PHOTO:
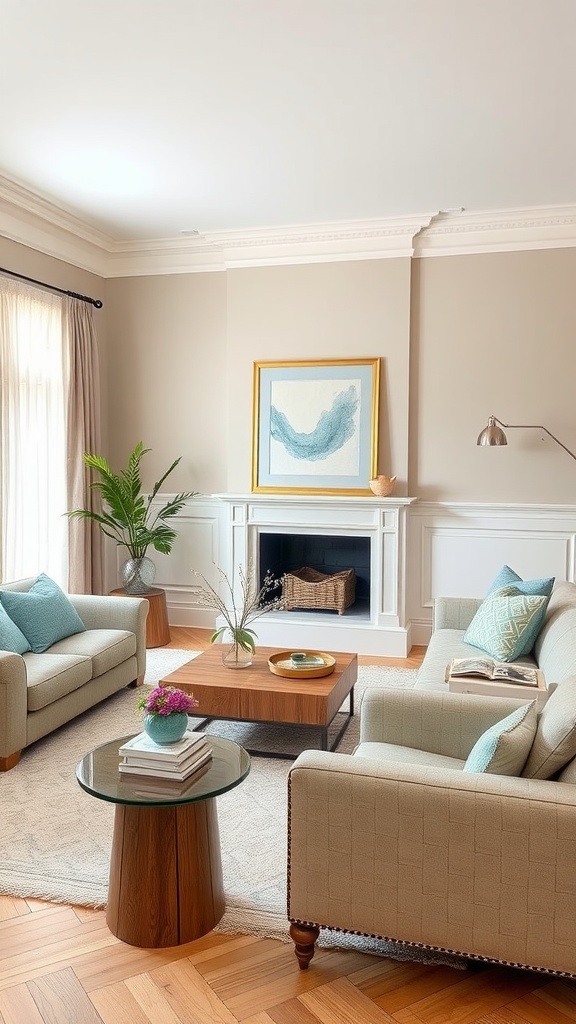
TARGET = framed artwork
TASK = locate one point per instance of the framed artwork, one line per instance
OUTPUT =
(315, 426)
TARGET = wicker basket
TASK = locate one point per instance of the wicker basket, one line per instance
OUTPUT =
(308, 588)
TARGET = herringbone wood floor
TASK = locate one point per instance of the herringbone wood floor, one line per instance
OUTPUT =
(61, 965)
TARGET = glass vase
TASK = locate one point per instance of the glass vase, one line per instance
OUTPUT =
(166, 728)
(137, 575)
(233, 655)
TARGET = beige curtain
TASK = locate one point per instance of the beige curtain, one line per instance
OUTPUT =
(85, 558)
(33, 523)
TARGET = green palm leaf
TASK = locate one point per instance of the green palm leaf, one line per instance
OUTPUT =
(126, 516)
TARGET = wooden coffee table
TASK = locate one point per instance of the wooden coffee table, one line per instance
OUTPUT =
(255, 694)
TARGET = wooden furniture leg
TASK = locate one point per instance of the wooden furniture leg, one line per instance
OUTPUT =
(6, 763)
(304, 939)
(165, 874)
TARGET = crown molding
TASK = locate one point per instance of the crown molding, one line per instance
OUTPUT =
(489, 231)
(195, 255)
(268, 247)
(37, 222)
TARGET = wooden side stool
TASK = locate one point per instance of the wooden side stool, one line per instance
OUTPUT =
(157, 628)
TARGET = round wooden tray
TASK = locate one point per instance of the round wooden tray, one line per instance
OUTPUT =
(281, 665)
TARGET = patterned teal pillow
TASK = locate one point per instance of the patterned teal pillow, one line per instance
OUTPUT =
(504, 748)
(44, 613)
(506, 577)
(11, 638)
(504, 623)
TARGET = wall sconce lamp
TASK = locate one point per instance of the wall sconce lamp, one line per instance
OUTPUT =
(494, 435)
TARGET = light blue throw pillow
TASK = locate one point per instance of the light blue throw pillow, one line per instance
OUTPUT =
(11, 638)
(506, 577)
(44, 613)
(503, 621)
(504, 748)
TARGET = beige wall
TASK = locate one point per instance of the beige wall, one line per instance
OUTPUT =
(459, 337)
(168, 377)
(182, 350)
(320, 311)
(493, 334)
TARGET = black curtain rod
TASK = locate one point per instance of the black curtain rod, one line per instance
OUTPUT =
(97, 303)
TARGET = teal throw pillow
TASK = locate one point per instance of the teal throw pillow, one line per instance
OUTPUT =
(504, 748)
(506, 577)
(44, 613)
(503, 622)
(11, 638)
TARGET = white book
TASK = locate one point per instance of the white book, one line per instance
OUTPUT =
(169, 765)
(141, 761)
(498, 688)
(162, 751)
(153, 786)
(163, 773)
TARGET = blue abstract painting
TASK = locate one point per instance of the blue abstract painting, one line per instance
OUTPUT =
(315, 425)
(334, 428)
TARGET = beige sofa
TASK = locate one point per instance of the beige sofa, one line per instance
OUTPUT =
(554, 652)
(397, 842)
(40, 692)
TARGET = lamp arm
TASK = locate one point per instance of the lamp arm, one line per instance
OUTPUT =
(533, 426)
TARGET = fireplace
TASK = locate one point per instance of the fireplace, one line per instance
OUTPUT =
(329, 554)
(286, 532)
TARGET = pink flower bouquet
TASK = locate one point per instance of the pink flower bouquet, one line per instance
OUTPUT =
(166, 700)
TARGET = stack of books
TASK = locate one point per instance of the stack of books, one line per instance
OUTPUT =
(497, 678)
(175, 761)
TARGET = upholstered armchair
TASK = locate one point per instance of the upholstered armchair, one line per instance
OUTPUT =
(398, 842)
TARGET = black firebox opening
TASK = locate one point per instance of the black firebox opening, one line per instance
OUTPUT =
(288, 552)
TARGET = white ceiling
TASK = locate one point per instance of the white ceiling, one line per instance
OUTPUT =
(149, 118)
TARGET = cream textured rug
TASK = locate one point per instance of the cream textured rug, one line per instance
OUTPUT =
(55, 839)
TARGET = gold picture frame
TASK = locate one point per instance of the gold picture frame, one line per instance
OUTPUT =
(315, 426)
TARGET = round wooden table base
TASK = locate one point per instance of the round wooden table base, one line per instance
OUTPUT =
(165, 874)
(157, 628)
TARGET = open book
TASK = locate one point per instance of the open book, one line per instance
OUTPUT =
(491, 669)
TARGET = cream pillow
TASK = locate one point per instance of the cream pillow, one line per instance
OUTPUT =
(504, 747)
(555, 741)
(568, 774)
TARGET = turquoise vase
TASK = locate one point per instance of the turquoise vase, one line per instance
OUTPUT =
(166, 728)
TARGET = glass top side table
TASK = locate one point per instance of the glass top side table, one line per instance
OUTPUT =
(165, 882)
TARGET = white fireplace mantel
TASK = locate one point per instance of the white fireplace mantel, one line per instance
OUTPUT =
(380, 630)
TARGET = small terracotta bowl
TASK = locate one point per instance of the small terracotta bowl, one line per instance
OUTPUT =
(382, 486)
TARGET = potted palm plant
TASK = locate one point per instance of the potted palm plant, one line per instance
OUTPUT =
(128, 516)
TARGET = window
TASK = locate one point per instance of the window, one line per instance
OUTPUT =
(33, 406)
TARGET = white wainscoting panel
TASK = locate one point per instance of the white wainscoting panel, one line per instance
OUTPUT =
(457, 549)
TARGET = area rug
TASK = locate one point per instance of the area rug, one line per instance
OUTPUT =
(55, 839)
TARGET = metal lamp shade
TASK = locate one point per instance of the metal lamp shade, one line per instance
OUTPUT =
(492, 434)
